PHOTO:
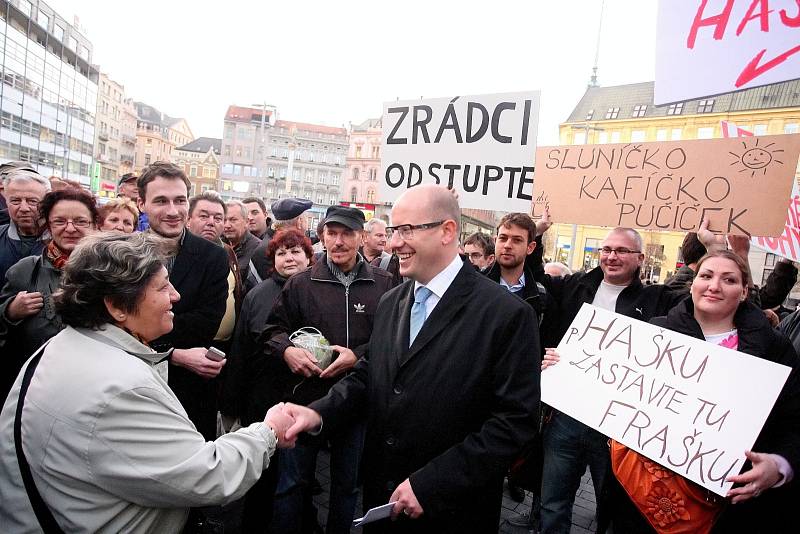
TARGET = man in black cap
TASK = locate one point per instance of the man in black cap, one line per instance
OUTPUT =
(338, 296)
(288, 213)
(127, 188)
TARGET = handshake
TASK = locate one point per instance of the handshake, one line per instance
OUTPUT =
(288, 420)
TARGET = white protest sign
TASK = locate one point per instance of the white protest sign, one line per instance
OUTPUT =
(483, 146)
(787, 244)
(708, 47)
(692, 406)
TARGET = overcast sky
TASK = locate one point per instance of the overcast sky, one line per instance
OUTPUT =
(335, 62)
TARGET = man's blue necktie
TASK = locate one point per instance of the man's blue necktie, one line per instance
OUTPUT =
(418, 312)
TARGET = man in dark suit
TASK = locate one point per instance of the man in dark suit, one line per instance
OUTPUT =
(199, 271)
(449, 386)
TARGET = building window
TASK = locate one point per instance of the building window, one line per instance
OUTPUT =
(296, 175)
(615, 137)
(353, 195)
(283, 172)
(661, 135)
(639, 111)
(335, 179)
(589, 115)
(760, 129)
(58, 31)
(285, 153)
(43, 19)
(705, 106)
(769, 260)
(376, 152)
(638, 136)
(612, 113)
(358, 151)
(790, 128)
(355, 173)
(675, 135)
(227, 150)
(193, 171)
(765, 275)
(147, 159)
(72, 43)
(373, 174)
(603, 138)
(322, 177)
(309, 176)
(675, 109)
(332, 200)
(579, 138)
(705, 133)
(320, 198)
(371, 196)
(25, 7)
(271, 171)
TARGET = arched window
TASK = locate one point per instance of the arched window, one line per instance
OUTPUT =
(353, 194)
(371, 196)
(355, 173)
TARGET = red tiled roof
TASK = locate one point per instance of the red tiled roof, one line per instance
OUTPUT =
(318, 128)
(243, 114)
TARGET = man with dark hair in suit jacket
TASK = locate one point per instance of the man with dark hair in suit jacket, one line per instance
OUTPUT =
(449, 386)
(199, 271)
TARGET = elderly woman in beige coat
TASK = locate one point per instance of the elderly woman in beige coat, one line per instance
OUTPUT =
(108, 446)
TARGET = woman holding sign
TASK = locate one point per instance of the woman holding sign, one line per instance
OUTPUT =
(646, 497)
(719, 313)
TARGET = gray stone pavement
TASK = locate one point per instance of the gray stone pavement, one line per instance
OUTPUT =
(583, 514)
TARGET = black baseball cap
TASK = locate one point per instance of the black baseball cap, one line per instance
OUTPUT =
(352, 218)
(125, 178)
(287, 209)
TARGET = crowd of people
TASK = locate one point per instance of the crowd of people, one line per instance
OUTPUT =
(159, 348)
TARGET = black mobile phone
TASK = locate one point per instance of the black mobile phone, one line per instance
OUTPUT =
(215, 354)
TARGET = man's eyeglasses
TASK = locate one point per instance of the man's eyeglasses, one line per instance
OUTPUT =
(406, 231)
(622, 251)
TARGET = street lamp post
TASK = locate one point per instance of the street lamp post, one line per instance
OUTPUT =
(264, 106)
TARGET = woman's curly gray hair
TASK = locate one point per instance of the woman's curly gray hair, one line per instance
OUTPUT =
(107, 265)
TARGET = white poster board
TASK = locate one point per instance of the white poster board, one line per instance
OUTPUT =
(692, 406)
(708, 47)
(483, 146)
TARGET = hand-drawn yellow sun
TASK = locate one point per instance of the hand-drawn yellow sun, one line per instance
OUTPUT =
(755, 158)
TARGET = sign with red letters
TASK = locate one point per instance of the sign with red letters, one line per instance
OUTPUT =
(708, 47)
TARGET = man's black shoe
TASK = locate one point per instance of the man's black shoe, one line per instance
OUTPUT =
(516, 493)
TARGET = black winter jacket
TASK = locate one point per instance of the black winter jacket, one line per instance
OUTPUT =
(316, 298)
(769, 512)
(570, 292)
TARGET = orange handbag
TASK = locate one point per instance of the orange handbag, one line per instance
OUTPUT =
(670, 503)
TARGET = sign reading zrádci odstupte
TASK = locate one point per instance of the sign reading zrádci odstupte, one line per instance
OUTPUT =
(483, 146)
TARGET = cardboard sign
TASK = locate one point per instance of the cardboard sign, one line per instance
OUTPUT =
(708, 47)
(692, 406)
(483, 146)
(735, 183)
(787, 244)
